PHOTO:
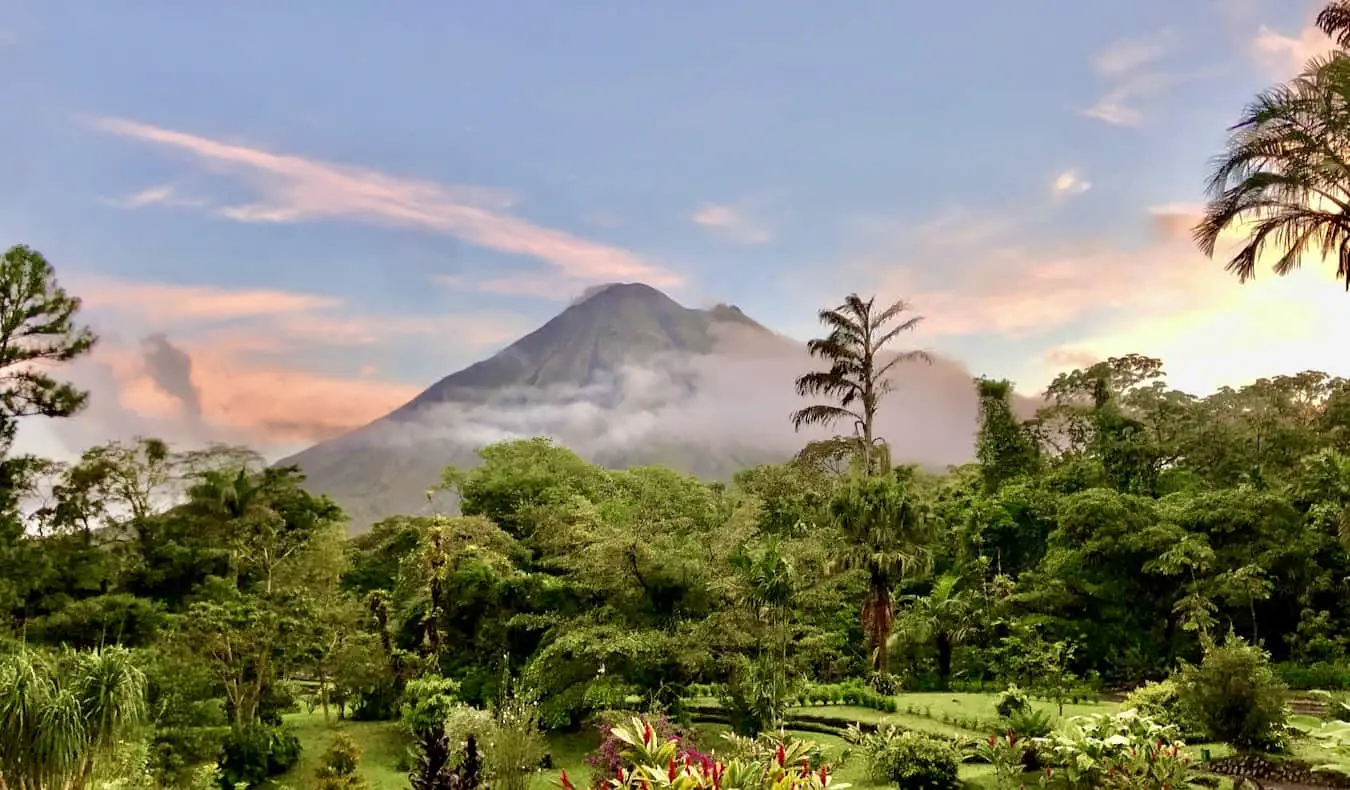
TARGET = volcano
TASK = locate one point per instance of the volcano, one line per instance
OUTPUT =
(626, 376)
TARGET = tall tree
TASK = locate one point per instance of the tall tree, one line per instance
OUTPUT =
(1283, 180)
(856, 379)
(883, 532)
(37, 328)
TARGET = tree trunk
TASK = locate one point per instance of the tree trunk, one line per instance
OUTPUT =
(877, 618)
(944, 659)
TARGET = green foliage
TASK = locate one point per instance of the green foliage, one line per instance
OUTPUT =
(252, 754)
(762, 763)
(63, 716)
(515, 744)
(1125, 751)
(1011, 700)
(1234, 696)
(428, 703)
(1030, 723)
(910, 760)
(340, 764)
(1162, 702)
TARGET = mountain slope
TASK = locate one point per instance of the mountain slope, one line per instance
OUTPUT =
(582, 361)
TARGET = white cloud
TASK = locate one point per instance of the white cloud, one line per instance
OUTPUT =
(1070, 182)
(1127, 68)
(733, 222)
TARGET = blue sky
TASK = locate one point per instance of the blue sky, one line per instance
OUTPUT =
(327, 206)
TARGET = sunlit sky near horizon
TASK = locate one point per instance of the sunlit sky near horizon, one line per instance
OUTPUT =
(324, 207)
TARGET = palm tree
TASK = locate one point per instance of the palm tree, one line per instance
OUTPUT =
(946, 615)
(855, 380)
(1286, 172)
(1334, 20)
(885, 533)
(62, 717)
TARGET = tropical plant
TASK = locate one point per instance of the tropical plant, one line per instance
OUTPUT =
(884, 532)
(763, 763)
(1121, 751)
(64, 716)
(945, 616)
(1010, 701)
(856, 378)
(1283, 180)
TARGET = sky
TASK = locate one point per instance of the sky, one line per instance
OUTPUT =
(287, 219)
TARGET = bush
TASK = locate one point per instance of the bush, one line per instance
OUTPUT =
(1161, 702)
(250, 755)
(909, 760)
(515, 745)
(885, 683)
(1121, 751)
(340, 765)
(428, 703)
(1235, 697)
(1010, 701)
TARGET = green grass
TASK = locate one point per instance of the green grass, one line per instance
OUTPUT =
(383, 745)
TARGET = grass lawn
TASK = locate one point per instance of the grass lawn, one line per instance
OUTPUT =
(382, 744)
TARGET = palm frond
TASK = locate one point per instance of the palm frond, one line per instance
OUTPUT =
(1334, 20)
(1285, 174)
(822, 415)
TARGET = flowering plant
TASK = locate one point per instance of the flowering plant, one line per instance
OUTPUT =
(660, 764)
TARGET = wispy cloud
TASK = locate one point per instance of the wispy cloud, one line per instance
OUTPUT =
(292, 188)
(733, 222)
(171, 302)
(1070, 182)
(1282, 56)
(265, 318)
(1128, 69)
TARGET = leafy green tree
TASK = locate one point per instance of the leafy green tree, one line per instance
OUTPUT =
(857, 354)
(1003, 446)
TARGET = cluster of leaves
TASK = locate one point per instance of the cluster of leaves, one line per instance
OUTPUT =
(763, 763)
(1121, 750)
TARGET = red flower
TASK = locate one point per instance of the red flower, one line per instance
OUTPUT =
(566, 783)
(671, 771)
(782, 755)
(647, 733)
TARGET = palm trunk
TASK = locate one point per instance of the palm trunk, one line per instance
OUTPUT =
(944, 658)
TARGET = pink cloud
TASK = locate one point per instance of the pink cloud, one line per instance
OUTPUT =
(294, 189)
(164, 301)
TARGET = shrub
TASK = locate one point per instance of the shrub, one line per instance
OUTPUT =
(250, 755)
(340, 765)
(515, 745)
(1161, 702)
(1235, 697)
(1011, 700)
(428, 703)
(1121, 751)
(1030, 723)
(908, 759)
(885, 683)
